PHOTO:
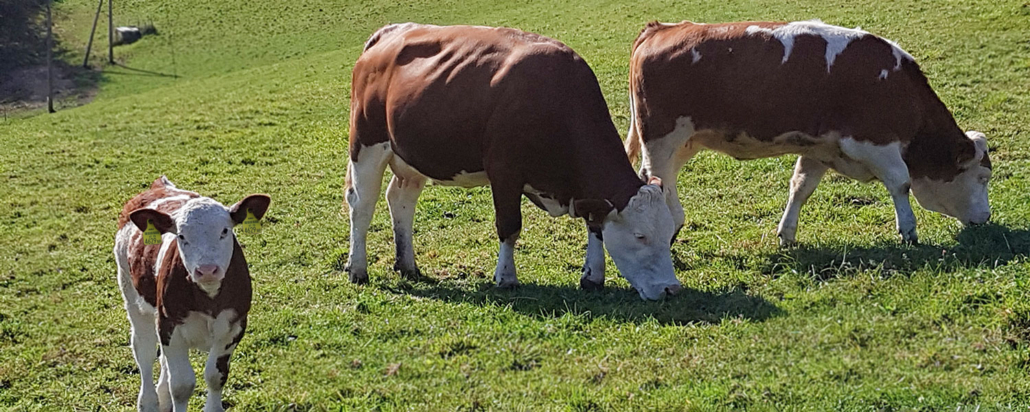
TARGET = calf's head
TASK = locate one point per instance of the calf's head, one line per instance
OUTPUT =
(203, 231)
(963, 196)
(637, 238)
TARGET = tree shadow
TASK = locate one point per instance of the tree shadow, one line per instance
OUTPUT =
(989, 245)
(622, 304)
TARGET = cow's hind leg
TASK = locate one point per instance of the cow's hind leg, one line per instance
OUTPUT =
(508, 209)
(364, 183)
(807, 174)
(885, 162)
(402, 196)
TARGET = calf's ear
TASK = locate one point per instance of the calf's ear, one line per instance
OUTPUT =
(595, 211)
(256, 204)
(162, 222)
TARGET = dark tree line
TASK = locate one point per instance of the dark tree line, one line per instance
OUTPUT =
(22, 33)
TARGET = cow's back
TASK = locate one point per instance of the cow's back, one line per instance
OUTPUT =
(768, 79)
(456, 92)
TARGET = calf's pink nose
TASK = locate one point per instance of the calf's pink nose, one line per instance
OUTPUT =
(207, 270)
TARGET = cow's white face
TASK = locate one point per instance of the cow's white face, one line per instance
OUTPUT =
(638, 240)
(206, 241)
(965, 196)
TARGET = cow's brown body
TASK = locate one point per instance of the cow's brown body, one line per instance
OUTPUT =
(472, 106)
(762, 89)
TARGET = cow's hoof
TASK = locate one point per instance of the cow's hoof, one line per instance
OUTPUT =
(410, 274)
(589, 285)
(357, 277)
(909, 237)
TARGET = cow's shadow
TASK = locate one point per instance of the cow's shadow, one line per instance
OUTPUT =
(985, 246)
(622, 304)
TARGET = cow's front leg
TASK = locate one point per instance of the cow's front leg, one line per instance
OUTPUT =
(593, 269)
(402, 196)
(507, 207)
(885, 162)
(181, 379)
(663, 158)
(807, 174)
(216, 372)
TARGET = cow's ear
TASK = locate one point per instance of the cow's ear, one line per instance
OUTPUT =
(256, 204)
(162, 222)
(595, 211)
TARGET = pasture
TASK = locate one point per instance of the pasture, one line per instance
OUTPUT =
(850, 319)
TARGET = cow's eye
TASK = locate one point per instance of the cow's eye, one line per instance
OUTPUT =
(182, 238)
(225, 232)
(640, 237)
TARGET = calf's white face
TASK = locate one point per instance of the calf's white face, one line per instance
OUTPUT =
(203, 232)
(965, 196)
(638, 240)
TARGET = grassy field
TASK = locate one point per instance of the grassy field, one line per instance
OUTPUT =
(851, 319)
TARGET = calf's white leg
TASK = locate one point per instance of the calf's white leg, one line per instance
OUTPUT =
(181, 379)
(364, 182)
(402, 196)
(807, 174)
(664, 157)
(144, 350)
(885, 162)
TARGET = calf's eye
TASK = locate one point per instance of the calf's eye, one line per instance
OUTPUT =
(225, 232)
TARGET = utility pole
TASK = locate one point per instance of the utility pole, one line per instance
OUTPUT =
(49, 59)
(110, 32)
(89, 45)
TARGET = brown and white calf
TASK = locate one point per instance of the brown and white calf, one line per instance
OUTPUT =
(523, 113)
(190, 291)
(841, 98)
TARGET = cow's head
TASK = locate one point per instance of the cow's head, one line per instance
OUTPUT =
(637, 238)
(203, 229)
(963, 197)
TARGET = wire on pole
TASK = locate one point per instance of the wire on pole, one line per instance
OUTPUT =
(89, 44)
(110, 32)
(49, 59)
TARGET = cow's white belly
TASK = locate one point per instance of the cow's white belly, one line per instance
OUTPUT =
(201, 331)
(825, 148)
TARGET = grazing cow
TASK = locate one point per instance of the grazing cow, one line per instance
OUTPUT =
(841, 98)
(187, 288)
(523, 113)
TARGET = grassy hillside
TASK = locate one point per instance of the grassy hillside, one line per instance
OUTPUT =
(851, 319)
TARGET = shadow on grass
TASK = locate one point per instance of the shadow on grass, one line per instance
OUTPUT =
(987, 246)
(621, 304)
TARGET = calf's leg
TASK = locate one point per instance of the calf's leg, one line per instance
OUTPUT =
(402, 196)
(807, 174)
(663, 157)
(364, 183)
(181, 379)
(144, 349)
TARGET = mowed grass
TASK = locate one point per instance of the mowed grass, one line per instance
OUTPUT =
(850, 319)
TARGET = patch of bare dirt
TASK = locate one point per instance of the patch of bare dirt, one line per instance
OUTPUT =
(25, 88)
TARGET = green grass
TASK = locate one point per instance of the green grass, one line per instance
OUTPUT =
(851, 319)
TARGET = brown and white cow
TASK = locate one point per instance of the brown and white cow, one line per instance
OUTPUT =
(523, 113)
(841, 98)
(190, 291)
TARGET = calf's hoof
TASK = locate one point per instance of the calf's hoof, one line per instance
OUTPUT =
(590, 285)
(506, 282)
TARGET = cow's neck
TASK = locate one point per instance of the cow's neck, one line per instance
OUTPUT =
(608, 176)
(940, 146)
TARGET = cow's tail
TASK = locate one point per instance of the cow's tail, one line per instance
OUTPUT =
(632, 136)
